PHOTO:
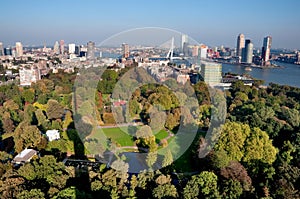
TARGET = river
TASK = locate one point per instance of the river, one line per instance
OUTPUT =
(288, 75)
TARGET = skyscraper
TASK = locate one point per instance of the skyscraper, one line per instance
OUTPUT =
(71, 48)
(77, 50)
(247, 52)
(203, 52)
(125, 48)
(266, 50)
(195, 51)
(240, 45)
(7, 51)
(1, 49)
(184, 42)
(211, 72)
(62, 46)
(19, 49)
(90, 55)
(56, 48)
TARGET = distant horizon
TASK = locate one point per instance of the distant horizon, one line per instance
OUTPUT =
(212, 23)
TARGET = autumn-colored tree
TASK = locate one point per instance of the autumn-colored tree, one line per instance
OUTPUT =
(54, 110)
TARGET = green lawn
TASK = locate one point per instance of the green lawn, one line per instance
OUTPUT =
(120, 136)
(161, 135)
(124, 135)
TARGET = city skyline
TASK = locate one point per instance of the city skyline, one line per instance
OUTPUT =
(215, 24)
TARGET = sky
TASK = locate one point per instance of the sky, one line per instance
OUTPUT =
(214, 23)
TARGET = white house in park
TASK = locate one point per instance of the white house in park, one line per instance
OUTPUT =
(52, 135)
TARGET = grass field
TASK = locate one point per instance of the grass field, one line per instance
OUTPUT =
(119, 136)
(124, 135)
(161, 135)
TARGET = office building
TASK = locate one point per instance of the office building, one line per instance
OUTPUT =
(1, 49)
(56, 48)
(28, 76)
(77, 50)
(125, 49)
(90, 54)
(211, 72)
(266, 50)
(7, 51)
(19, 49)
(195, 51)
(71, 48)
(247, 52)
(240, 45)
(62, 46)
(184, 41)
(203, 52)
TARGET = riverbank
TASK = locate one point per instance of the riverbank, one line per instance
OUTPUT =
(252, 65)
(288, 74)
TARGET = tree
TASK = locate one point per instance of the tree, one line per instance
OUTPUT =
(121, 168)
(292, 116)
(134, 107)
(54, 110)
(168, 158)
(32, 194)
(28, 172)
(119, 114)
(203, 185)
(242, 143)
(259, 147)
(158, 119)
(202, 92)
(232, 189)
(28, 95)
(72, 193)
(237, 172)
(43, 122)
(108, 118)
(232, 139)
(144, 132)
(151, 159)
(165, 191)
(107, 84)
(29, 115)
(172, 119)
(25, 136)
(7, 124)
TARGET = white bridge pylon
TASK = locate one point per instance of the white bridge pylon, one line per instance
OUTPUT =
(169, 45)
(170, 53)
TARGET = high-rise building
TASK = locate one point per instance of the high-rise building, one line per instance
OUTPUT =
(195, 51)
(62, 46)
(71, 48)
(77, 50)
(203, 52)
(211, 72)
(7, 51)
(1, 49)
(90, 55)
(184, 41)
(19, 49)
(240, 45)
(28, 76)
(247, 52)
(56, 48)
(266, 50)
(125, 49)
